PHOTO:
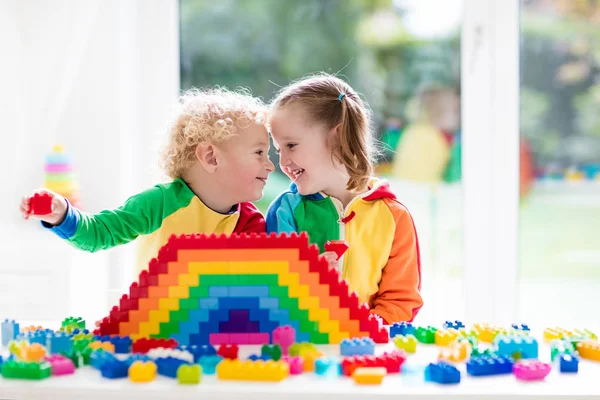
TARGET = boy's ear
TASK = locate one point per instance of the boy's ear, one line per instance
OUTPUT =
(206, 153)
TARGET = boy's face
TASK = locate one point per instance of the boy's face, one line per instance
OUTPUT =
(245, 163)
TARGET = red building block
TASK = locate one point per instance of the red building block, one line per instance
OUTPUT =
(229, 351)
(40, 204)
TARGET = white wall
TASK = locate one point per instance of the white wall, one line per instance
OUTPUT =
(99, 77)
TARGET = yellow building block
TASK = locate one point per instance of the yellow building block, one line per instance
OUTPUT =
(192, 280)
(487, 333)
(32, 353)
(106, 346)
(209, 267)
(456, 352)
(551, 334)
(168, 304)
(308, 303)
(148, 328)
(337, 337)
(179, 292)
(157, 316)
(369, 375)
(141, 371)
(253, 370)
(443, 337)
(407, 343)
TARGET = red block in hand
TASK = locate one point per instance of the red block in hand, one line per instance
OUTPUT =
(339, 247)
(40, 204)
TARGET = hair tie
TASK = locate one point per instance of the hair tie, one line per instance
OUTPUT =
(341, 96)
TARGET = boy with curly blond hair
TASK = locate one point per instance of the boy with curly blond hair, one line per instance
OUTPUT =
(217, 157)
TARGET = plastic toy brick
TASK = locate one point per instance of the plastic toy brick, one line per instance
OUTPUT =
(40, 204)
(589, 349)
(284, 336)
(551, 334)
(392, 362)
(489, 365)
(442, 373)
(508, 345)
(60, 365)
(136, 357)
(99, 357)
(299, 349)
(253, 370)
(256, 357)
(309, 360)
(521, 327)
(209, 363)
(560, 346)
(339, 247)
(457, 352)
(189, 374)
(425, 334)
(408, 343)
(531, 370)
(478, 351)
(402, 328)
(568, 363)
(32, 353)
(26, 370)
(199, 351)
(115, 369)
(453, 325)
(487, 333)
(106, 346)
(183, 355)
(142, 372)
(71, 323)
(443, 337)
(76, 358)
(9, 330)
(369, 376)
(357, 347)
(296, 364)
(144, 345)
(228, 351)
(168, 366)
(122, 345)
(272, 352)
(322, 365)
(58, 342)
(469, 333)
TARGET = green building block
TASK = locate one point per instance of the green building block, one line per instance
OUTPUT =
(425, 335)
(274, 351)
(26, 370)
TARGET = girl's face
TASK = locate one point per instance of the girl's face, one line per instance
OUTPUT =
(304, 151)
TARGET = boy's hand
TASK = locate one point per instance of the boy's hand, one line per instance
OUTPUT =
(58, 207)
(331, 258)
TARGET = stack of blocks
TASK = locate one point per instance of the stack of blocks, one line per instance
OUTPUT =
(238, 289)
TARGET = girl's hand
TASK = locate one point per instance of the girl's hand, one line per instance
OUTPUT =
(58, 207)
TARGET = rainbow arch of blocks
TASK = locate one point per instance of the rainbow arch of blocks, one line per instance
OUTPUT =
(237, 289)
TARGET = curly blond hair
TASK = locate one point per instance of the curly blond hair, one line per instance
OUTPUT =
(207, 115)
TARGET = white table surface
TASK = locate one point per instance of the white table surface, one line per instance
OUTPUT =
(87, 384)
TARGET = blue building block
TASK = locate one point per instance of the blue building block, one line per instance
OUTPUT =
(59, 342)
(209, 303)
(114, 369)
(218, 291)
(489, 365)
(508, 345)
(168, 366)
(568, 363)
(442, 373)
(249, 291)
(199, 351)
(322, 365)
(122, 344)
(256, 357)
(521, 327)
(268, 303)
(10, 331)
(98, 358)
(78, 331)
(136, 357)
(357, 347)
(453, 325)
(209, 364)
(1, 361)
(402, 328)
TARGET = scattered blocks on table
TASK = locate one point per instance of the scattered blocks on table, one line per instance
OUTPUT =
(142, 372)
(402, 328)
(508, 345)
(442, 373)
(489, 365)
(9, 330)
(568, 363)
(189, 374)
(408, 343)
(531, 370)
(253, 370)
(369, 375)
(453, 325)
(357, 347)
